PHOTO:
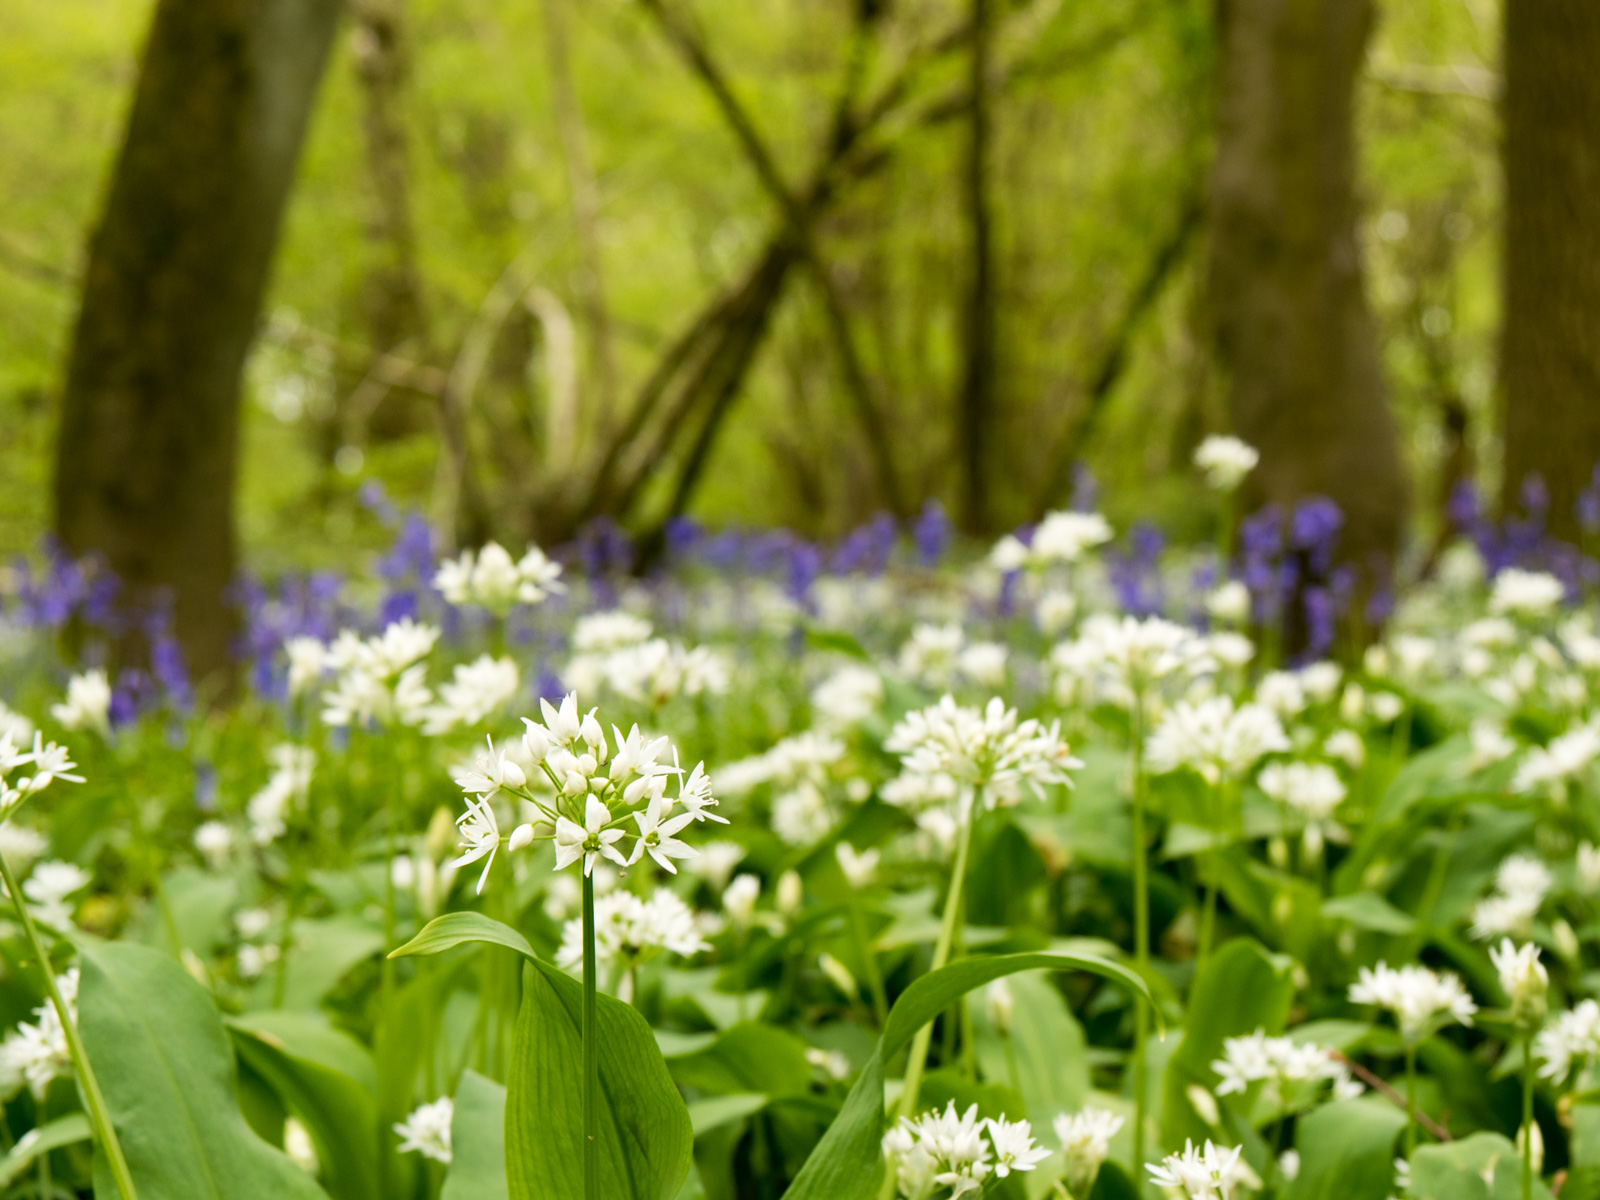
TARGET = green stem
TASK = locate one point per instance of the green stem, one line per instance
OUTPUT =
(869, 959)
(591, 1068)
(1411, 1100)
(1141, 935)
(94, 1101)
(1527, 1115)
(941, 954)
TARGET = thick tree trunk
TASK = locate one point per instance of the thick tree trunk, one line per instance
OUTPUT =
(1292, 325)
(975, 411)
(147, 451)
(1550, 340)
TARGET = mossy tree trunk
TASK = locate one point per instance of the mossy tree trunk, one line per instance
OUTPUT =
(147, 453)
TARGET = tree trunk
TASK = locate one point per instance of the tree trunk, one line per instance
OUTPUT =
(1550, 339)
(976, 415)
(148, 446)
(1292, 326)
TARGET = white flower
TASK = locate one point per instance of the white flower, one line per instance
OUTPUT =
(1085, 1139)
(1500, 914)
(986, 749)
(1120, 658)
(1522, 977)
(480, 837)
(214, 841)
(1347, 746)
(477, 691)
(739, 899)
(289, 782)
(298, 1146)
(860, 867)
(1229, 603)
(88, 703)
(1588, 865)
(21, 844)
(1281, 1063)
(599, 633)
(629, 930)
(589, 840)
(15, 726)
(850, 695)
(1055, 611)
(1014, 1147)
(716, 862)
(930, 656)
(943, 1149)
(1062, 537)
(1490, 744)
(1314, 789)
(983, 663)
(1208, 1174)
(1573, 1037)
(427, 1130)
(49, 887)
(36, 1052)
(1282, 692)
(493, 581)
(1226, 461)
(1415, 995)
(1525, 593)
(1524, 875)
(1214, 738)
(1563, 759)
(656, 837)
(307, 660)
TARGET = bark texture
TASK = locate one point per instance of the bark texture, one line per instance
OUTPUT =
(1550, 350)
(1292, 327)
(975, 409)
(172, 293)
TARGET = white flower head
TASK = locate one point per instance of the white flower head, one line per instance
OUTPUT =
(1208, 1174)
(1214, 738)
(1085, 1139)
(88, 703)
(1416, 996)
(1225, 460)
(1522, 593)
(427, 1130)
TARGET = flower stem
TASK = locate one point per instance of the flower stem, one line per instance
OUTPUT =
(94, 1101)
(1527, 1115)
(869, 958)
(591, 1067)
(1411, 1100)
(941, 955)
(1141, 935)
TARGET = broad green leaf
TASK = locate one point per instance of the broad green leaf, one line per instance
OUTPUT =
(477, 1142)
(1240, 989)
(646, 1140)
(200, 903)
(1347, 1151)
(325, 1078)
(1044, 1057)
(1368, 910)
(321, 953)
(716, 1111)
(747, 1058)
(1484, 1166)
(836, 641)
(63, 1131)
(164, 1063)
(847, 1163)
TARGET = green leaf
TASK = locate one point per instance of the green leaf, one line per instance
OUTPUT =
(717, 1111)
(1347, 1151)
(1484, 1166)
(164, 1064)
(477, 1142)
(63, 1131)
(1047, 1051)
(847, 1163)
(836, 641)
(1240, 989)
(1368, 910)
(747, 1058)
(646, 1139)
(326, 1079)
(321, 953)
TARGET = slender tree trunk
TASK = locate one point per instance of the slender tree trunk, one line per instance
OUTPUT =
(976, 416)
(148, 446)
(1550, 339)
(1293, 329)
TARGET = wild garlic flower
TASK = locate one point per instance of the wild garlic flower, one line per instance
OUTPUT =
(1060, 538)
(1528, 594)
(380, 679)
(427, 1130)
(629, 931)
(987, 750)
(1225, 460)
(35, 1053)
(1085, 1139)
(1214, 738)
(476, 692)
(20, 845)
(1208, 1174)
(1229, 603)
(1564, 758)
(48, 761)
(1290, 1070)
(1420, 999)
(287, 786)
(860, 867)
(88, 703)
(1587, 864)
(1315, 791)
(1521, 884)
(308, 659)
(1014, 1147)
(652, 672)
(1523, 979)
(945, 1150)
(1490, 744)
(214, 841)
(931, 656)
(849, 696)
(14, 724)
(492, 580)
(48, 891)
(1117, 659)
(610, 797)
(1572, 1039)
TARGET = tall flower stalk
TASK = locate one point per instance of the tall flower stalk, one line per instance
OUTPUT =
(1141, 931)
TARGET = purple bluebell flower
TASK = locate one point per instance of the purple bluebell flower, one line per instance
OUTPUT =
(931, 533)
(376, 501)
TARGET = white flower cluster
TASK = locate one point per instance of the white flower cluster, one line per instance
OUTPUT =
(616, 653)
(377, 679)
(597, 789)
(1119, 659)
(629, 931)
(1521, 884)
(987, 750)
(88, 703)
(949, 1151)
(1564, 758)
(427, 1130)
(1528, 594)
(1225, 461)
(1290, 693)
(1060, 538)
(1215, 738)
(1523, 979)
(46, 762)
(940, 656)
(492, 580)
(1085, 1139)
(1209, 1174)
(36, 1052)
(1312, 790)
(1289, 1069)
(1572, 1039)
(1418, 998)
(49, 889)
(476, 692)
(268, 810)
(849, 696)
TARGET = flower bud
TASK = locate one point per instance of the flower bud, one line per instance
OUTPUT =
(839, 975)
(536, 741)
(521, 836)
(790, 893)
(1000, 1005)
